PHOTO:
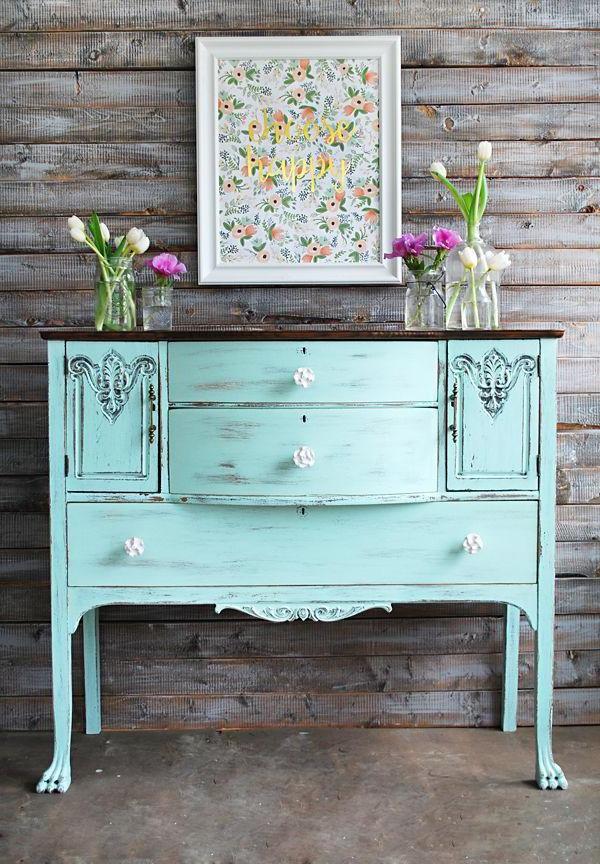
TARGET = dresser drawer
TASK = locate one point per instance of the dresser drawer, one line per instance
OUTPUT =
(197, 544)
(250, 451)
(264, 371)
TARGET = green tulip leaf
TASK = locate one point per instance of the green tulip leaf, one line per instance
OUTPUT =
(95, 231)
(121, 248)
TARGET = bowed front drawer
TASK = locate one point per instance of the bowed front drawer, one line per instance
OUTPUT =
(218, 545)
(342, 372)
(303, 451)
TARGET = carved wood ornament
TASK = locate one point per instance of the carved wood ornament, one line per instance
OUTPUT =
(112, 380)
(493, 377)
(306, 611)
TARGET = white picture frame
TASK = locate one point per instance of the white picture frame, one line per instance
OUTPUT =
(219, 262)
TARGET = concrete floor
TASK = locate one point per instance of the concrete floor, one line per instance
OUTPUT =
(372, 796)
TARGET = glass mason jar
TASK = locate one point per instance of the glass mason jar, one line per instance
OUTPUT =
(472, 295)
(157, 307)
(424, 302)
(115, 296)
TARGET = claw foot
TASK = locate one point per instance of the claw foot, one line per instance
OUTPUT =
(549, 775)
(57, 778)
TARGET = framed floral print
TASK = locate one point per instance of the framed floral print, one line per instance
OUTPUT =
(298, 147)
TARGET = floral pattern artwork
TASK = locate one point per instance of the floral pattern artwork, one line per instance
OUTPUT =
(298, 161)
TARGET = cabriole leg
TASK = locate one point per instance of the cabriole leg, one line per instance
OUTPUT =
(548, 774)
(510, 682)
(91, 670)
(58, 776)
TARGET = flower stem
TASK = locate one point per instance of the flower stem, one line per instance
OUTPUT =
(474, 300)
(452, 302)
(473, 219)
(495, 316)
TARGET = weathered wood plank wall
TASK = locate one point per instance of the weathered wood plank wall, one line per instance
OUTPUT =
(96, 102)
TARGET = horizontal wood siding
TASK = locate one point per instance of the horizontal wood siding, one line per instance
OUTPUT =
(97, 104)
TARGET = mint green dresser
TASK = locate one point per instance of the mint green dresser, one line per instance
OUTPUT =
(301, 475)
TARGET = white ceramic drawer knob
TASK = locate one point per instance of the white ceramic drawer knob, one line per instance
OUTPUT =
(472, 544)
(134, 546)
(304, 457)
(304, 376)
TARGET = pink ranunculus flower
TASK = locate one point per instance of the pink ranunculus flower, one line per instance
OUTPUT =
(445, 238)
(167, 266)
(407, 246)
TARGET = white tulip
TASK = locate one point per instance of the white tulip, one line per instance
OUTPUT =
(78, 234)
(141, 245)
(438, 168)
(468, 258)
(484, 151)
(118, 240)
(105, 232)
(75, 222)
(497, 260)
(134, 235)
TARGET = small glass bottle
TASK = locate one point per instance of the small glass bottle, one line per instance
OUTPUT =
(424, 301)
(115, 296)
(472, 296)
(157, 306)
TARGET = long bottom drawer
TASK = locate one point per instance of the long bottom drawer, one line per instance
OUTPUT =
(197, 544)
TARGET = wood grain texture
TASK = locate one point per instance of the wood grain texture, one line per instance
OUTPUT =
(569, 231)
(572, 706)
(78, 271)
(160, 49)
(289, 305)
(23, 456)
(578, 557)
(420, 123)
(143, 160)
(108, 124)
(397, 673)
(273, 15)
(139, 641)
(176, 197)
(157, 88)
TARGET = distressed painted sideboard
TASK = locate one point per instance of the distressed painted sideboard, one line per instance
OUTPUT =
(301, 475)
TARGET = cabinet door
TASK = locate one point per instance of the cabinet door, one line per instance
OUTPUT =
(493, 393)
(112, 416)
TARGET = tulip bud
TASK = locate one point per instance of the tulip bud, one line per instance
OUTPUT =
(438, 168)
(118, 240)
(141, 245)
(78, 234)
(134, 235)
(484, 151)
(497, 260)
(468, 258)
(105, 232)
(75, 222)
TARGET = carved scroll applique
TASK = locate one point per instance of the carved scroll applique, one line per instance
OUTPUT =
(304, 612)
(494, 376)
(112, 380)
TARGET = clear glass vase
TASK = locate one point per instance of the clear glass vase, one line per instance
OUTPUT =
(424, 301)
(472, 293)
(157, 307)
(115, 296)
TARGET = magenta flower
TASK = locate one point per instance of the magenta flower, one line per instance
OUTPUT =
(407, 246)
(445, 238)
(167, 266)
